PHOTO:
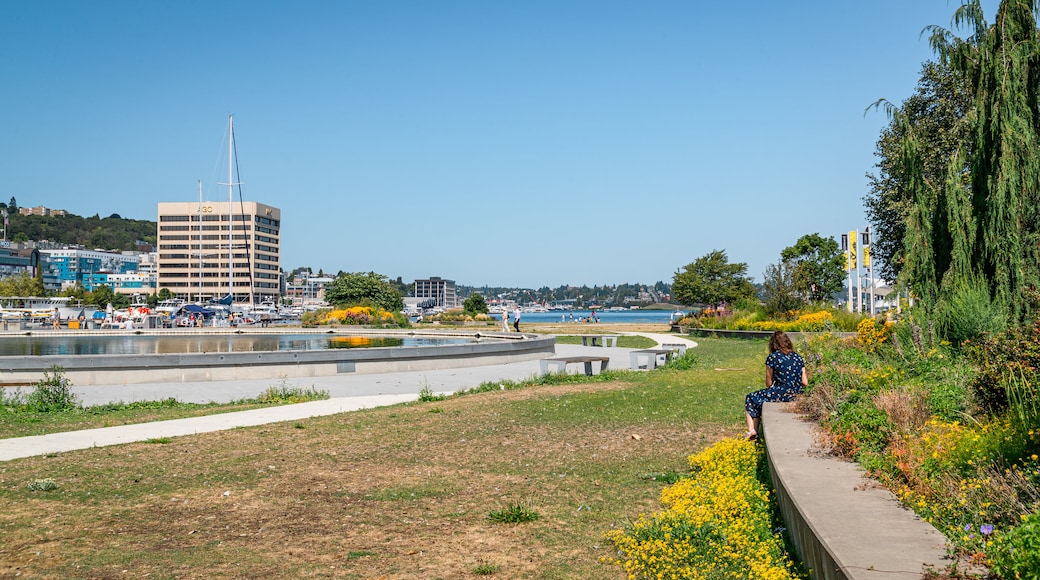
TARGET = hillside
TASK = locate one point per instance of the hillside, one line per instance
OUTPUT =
(110, 233)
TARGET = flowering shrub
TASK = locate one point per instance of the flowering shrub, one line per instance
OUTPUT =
(809, 322)
(716, 524)
(908, 416)
(355, 315)
(871, 335)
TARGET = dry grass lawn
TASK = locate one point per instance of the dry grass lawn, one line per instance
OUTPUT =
(396, 492)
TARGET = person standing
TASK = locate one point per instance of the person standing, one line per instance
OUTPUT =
(785, 378)
(505, 320)
(516, 319)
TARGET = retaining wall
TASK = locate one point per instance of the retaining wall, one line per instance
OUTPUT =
(843, 525)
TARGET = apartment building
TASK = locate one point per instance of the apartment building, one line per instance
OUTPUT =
(211, 249)
(79, 266)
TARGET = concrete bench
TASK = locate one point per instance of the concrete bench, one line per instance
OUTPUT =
(680, 349)
(842, 526)
(599, 340)
(654, 358)
(559, 364)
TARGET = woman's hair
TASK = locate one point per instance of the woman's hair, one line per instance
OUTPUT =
(780, 342)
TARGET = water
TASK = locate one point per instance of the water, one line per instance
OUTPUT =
(663, 317)
(166, 344)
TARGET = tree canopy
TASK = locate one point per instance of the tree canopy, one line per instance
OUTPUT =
(21, 284)
(936, 113)
(817, 267)
(110, 233)
(972, 215)
(350, 289)
(475, 304)
(711, 279)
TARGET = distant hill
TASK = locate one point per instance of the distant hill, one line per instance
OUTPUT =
(109, 233)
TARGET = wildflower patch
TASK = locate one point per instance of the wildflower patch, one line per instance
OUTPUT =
(716, 524)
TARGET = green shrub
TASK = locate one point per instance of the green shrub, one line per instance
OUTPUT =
(967, 312)
(947, 400)
(1007, 364)
(52, 394)
(1017, 553)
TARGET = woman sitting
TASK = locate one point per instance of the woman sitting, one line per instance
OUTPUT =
(785, 377)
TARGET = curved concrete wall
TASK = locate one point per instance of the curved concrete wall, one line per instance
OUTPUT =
(842, 525)
(490, 348)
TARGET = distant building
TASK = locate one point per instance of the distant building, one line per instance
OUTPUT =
(307, 288)
(78, 266)
(440, 290)
(40, 210)
(14, 262)
(194, 243)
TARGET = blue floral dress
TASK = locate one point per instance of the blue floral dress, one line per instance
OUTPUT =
(787, 382)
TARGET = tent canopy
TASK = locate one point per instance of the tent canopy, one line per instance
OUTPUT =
(195, 309)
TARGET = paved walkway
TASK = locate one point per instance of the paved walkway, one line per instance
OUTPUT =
(347, 393)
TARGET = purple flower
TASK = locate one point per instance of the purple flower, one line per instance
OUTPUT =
(986, 529)
(967, 527)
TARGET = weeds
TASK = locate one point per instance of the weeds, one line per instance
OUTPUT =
(283, 393)
(486, 569)
(42, 485)
(427, 395)
(516, 513)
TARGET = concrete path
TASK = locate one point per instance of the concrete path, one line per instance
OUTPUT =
(347, 393)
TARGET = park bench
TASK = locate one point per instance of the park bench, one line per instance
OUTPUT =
(559, 364)
(599, 340)
(680, 349)
(651, 356)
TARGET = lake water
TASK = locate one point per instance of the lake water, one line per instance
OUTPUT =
(605, 316)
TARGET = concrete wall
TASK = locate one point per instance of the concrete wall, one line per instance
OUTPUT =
(843, 525)
(490, 348)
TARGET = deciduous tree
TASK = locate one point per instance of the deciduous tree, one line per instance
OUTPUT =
(475, 304)
(356, 288)
(816, 266)
(979, 220)
(712, 279)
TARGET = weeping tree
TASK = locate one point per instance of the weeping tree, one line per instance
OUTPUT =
(975, 223)
(935, 115)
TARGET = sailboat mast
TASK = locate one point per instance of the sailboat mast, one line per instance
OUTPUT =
(231, 195)
(199, 297)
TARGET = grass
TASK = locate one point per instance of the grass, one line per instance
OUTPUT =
(622, 341)
(16, 421)
(398, 492)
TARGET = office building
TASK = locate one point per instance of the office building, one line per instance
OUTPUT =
(441, 291)
(211, 249)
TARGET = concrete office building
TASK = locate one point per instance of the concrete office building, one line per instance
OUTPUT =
(439, 290)
(195, 241)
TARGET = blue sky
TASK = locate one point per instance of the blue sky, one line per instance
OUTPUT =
(536, 143)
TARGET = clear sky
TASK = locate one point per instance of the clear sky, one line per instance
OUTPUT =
(534, 143)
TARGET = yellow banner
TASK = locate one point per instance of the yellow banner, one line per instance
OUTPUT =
(853, 253)
(866, 256)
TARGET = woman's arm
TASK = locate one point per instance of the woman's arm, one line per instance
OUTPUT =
(805, 378)
(769, 376)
